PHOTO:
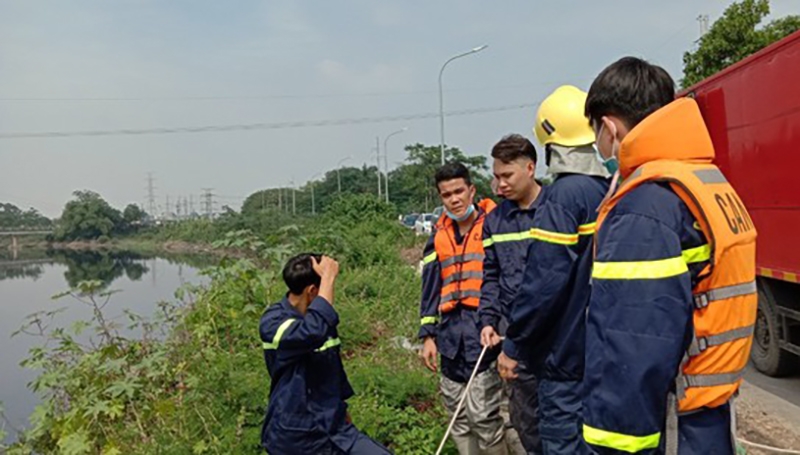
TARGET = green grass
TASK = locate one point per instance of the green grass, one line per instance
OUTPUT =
(203, 387)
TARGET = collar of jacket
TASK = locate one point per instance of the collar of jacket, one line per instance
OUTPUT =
(513, 207)
(675, 132)
(287, 305)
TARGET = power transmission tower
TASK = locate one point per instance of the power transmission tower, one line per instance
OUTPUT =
(208, 202)
(166, 211)
(178, 207)
(185, 207)
(151, 195)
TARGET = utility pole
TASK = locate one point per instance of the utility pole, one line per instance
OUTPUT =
(280, 198)
(294, 197)
(313, 201)
(185, 207)
(166, 212)
(151, 195)
(178, 207)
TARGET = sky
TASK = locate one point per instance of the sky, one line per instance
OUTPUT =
(104, 66)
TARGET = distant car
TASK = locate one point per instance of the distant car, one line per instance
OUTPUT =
(409, 220)
(424, 224)
(437, 212)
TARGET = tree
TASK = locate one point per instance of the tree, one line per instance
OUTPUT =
(134, 215)
(733, 37)
(12, 217)
(88, 216)
(411, 186)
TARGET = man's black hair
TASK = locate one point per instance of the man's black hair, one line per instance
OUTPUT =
(451, 171)
(298, 273)
(630, 89)
(512, 147)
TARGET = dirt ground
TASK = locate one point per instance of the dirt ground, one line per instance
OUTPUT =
(766, 419)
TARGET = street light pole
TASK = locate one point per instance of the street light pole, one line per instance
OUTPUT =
(441, 96)
(378, 158)
(338, 174)
(386, 158)
(313, 200)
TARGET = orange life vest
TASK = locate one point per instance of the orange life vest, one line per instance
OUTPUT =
(725, 295)
(461, 265)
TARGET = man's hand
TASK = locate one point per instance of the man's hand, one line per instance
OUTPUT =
(327, 267)
(429, 353)
(507, 366)
(489, 337)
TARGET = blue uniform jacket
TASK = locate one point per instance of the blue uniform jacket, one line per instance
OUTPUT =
(458, 332)
(307, 409)
(546, 326)
(505, 242)
(639, 323)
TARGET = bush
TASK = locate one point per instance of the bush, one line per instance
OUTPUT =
(195, 381)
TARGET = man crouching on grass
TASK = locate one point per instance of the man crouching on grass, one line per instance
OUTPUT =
(307, 413)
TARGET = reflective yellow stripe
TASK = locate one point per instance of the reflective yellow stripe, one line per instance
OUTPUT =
(429, 258)
(618, 441)
(587, 229)
(331, 343)
(554, 237)
(428, 320)
(279, 334)
(511, 237)
(487, 243)
(640, 270)
(699, 254)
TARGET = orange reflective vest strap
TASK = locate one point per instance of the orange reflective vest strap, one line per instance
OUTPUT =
(725, 296)
(461, 265)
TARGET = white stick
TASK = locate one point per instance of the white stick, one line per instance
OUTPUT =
(463, 399)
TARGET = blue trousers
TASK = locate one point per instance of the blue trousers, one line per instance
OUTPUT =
(707, 432)
(560, 421)
(523, 407)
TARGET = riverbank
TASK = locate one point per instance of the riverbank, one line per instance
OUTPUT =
(203, 388)
(135, 244)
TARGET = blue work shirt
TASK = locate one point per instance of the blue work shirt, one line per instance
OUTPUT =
(505, 243)
(307, 410)
(638, 330)
(547, 321)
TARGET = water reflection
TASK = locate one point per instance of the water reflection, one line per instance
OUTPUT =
(95, 265)
(28, 284)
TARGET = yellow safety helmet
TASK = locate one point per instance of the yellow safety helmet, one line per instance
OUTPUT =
(561, 118)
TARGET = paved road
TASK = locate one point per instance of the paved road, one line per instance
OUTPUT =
(787, 388)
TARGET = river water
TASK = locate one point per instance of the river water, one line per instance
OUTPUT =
(27, 286)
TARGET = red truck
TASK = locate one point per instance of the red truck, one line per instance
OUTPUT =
(752, 110)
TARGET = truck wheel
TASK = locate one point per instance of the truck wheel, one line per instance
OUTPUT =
(766, 354)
